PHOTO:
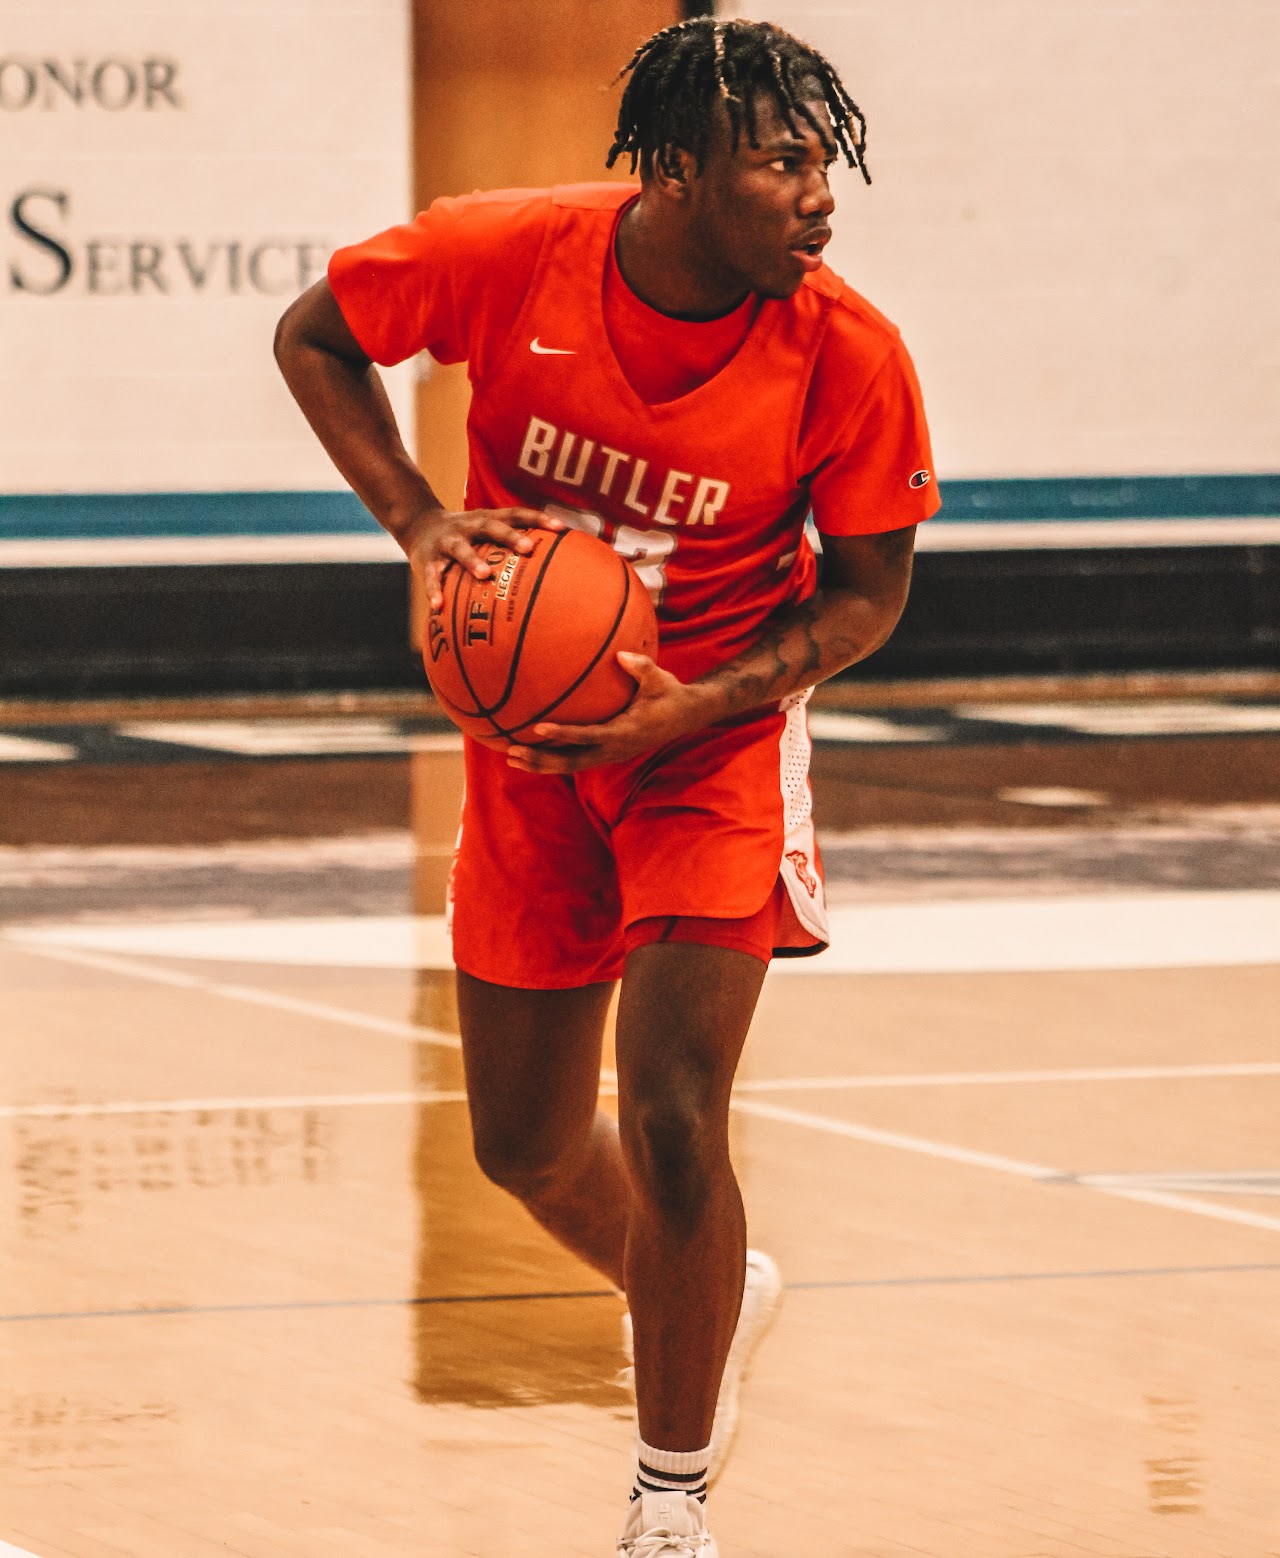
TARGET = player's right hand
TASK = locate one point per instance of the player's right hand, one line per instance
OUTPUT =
(437, 537)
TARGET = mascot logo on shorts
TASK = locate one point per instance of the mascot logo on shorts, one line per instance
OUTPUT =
(800, 861)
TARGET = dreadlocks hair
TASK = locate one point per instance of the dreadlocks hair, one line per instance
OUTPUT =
(677, 77)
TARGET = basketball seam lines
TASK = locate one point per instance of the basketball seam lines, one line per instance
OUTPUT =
(462, 670)
(524, 628)
(486, 711)
(595, 660)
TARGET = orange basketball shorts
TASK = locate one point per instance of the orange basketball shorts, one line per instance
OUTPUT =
(709, 839)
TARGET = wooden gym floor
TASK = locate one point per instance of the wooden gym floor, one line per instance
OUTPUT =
(1016, 1152)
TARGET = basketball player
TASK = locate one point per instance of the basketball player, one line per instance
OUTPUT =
(674, 369)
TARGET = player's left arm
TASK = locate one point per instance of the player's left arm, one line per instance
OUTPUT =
(865, 580)
(864, 587)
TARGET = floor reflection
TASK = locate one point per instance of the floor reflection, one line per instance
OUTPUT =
(66, 1169)
(475, 1241)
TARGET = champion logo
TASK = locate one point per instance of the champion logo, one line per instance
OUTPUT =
(920, 479)
(540, 350)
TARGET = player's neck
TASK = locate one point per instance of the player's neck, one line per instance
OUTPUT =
(664, 267)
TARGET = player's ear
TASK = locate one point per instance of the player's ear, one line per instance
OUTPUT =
(672, 172)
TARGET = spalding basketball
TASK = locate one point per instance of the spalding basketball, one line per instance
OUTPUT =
(538, 639)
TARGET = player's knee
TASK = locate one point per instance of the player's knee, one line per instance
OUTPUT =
(673, 1159)
(528, 1169)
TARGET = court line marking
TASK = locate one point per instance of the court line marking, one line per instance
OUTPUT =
(897, 1139)
(1245, 1182)
(1180, 1203)
(917, 1144)
(1032, 1171)
(839, 1284)
(201, 1105)
(251, 996)
(609, 1089)
(1192, 1071)
(27, 749)
(170, 1311)
(979, 1278)
(8, 1550)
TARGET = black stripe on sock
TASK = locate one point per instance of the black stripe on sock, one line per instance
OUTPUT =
(643, 1486)
(680, 1477)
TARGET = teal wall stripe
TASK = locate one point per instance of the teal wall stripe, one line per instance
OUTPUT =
(1112, 497)
(90, 515)
(75, 516)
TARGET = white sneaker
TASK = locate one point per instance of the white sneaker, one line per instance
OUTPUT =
(666, 1525)
(760, 1298)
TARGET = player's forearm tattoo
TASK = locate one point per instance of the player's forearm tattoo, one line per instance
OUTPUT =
(804, 644)
(801, 645)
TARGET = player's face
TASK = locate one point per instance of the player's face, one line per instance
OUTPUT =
(761, 212)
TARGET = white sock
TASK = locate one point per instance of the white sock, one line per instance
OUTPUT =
(671, 1471)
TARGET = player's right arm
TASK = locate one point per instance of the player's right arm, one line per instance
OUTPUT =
(341, 395)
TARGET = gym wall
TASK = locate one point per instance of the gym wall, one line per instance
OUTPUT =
(1073, 222)
(1069, 221)
(169, 178)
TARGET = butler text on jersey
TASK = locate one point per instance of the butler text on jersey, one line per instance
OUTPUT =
(596, 468)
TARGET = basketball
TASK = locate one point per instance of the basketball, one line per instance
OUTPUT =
(538, 639)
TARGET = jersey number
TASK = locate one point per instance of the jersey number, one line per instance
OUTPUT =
(646, 550)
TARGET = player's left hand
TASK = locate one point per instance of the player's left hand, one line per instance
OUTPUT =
(663, 709)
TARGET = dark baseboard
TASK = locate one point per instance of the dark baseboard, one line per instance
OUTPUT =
(1121, 609)
(84, 632)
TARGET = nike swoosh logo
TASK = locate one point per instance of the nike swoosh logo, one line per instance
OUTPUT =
(549, 351)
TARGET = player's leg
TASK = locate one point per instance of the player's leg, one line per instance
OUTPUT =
(532, 1060)
(535, 904)
(683, 1018)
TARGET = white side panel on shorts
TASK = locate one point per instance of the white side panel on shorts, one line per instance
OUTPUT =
(799, 867)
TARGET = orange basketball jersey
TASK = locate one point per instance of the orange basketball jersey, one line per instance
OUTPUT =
(703, 495)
